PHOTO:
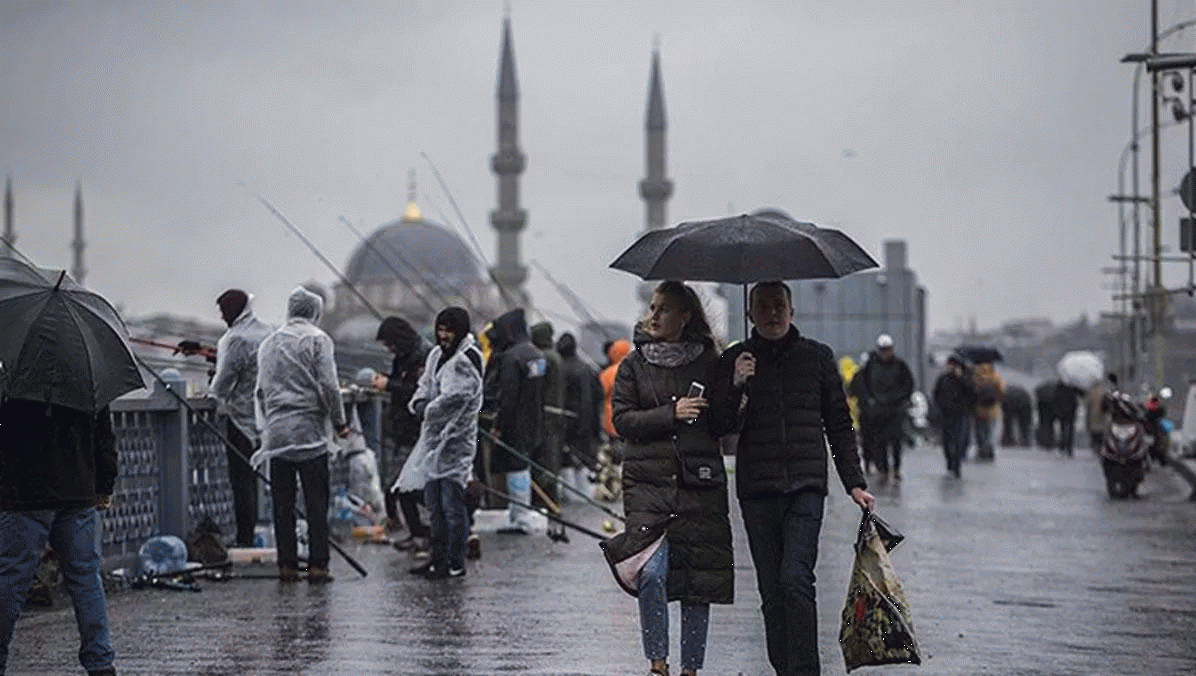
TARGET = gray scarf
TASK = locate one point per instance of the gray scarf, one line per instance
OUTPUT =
(671, 355)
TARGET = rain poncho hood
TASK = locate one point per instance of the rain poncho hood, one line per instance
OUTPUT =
(451, 398)
(236, 369)
(509, 329)
(297, 387)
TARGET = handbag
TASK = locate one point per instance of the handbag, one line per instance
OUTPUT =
(699, 471)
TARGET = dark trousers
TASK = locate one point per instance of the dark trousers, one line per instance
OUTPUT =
(783, 538)
(284, 489)
(886, 449)
(243, 482)
(955, 441)
(449, 515)
(409, 505)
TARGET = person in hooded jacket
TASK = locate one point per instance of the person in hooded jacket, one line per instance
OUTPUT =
(883, 387)
(583, 398)
(232, 388)
(398, 336)
(549, 455)
(299, 395)
(514, 393)
(955, 396)
(673, 473)
(447, 402)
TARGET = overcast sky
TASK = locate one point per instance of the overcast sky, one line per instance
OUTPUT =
(986, 134)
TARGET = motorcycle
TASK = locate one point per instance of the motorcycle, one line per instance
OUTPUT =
(1124, 447)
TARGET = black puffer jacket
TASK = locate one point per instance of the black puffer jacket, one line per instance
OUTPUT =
(701, 565)
(795, 405)
(54, 457)
(515, 393)
(410, 353)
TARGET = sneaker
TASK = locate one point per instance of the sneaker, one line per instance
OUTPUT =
(421, 549)
(317, 575)
(456, 572)
(473, 547)
(436, 573)
(288, 574)
(404, 544)
(425, 569)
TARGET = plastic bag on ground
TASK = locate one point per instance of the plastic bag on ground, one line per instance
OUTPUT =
(877, 625)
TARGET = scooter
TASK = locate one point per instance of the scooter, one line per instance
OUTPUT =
(1123, 449)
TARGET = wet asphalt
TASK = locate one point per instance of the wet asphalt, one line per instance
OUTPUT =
(1022, 566)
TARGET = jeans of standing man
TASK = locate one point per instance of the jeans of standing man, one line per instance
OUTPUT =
(654, 615)
(955, 439)
(782, 535)
(519, 486)
(243, 481)
(449, 518)
(72, 534)
(313, 474)
(984, 438)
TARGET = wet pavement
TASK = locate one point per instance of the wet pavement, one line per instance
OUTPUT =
(1023, 566)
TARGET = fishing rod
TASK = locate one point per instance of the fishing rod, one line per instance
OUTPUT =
(398, 276)
(186, 347)
(559, 537)
(229, 445)
(298, 233)
(515, 452)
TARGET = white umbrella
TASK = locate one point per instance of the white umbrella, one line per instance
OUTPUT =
(1081, 369)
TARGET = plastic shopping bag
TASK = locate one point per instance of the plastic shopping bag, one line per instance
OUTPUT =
(877, 626)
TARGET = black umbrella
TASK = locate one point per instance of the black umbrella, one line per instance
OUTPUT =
(60, 342)
(758, 247)
(979, 354)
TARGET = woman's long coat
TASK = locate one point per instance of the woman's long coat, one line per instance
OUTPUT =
(701, 564)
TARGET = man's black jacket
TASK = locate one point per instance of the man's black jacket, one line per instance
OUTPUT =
(54, 457)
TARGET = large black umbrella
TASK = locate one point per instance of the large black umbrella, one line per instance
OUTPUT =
(60, 342)
(979, 354)
(762, 246)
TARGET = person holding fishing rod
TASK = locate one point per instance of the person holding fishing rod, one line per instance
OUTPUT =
(299, 395)
(674, 480)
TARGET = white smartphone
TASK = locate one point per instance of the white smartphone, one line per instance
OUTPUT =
(696, 390)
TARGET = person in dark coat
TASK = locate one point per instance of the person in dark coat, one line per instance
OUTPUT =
(401, 340)
(1057, 407)
(667, 430)
(583, 398)
(883, 387)
(1044, 400)
(1017, 414)
(791, 404)
(514, 394)
(57, 465)
(955, 397)
(549, 453)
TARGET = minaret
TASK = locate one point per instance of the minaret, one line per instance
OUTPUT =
(77, 269)
(10, 235)
(656, 188)
(508, 219)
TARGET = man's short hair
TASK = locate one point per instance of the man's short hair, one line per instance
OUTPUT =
(770, 285)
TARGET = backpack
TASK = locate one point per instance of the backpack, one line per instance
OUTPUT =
(987, 393)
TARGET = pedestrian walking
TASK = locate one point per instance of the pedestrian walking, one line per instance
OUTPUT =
(883, 387)
(989, 389)
(583, 399)
(57, 466)
(548, 455)
(515, 396)
(1017, 416)
(299, 396)
(673, 473)
(402, 341)
(232, 388)
(955, 396)
(792, 405)
(447, 402)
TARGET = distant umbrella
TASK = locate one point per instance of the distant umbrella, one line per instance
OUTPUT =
(979, 354)
(59, 342)
(1081, 369)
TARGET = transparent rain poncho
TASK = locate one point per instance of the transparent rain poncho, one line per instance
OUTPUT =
(236, 370)
(297, 388)
(451, 397)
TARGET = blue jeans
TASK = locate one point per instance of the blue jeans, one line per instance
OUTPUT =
(782, 535)
(72, 534)
(955, 441)
(449, 517)
(654, 615)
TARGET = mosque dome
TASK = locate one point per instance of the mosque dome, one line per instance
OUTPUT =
(416, 250)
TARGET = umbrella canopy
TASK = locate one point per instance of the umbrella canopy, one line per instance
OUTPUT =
(60, 342)
(1081, 369)
(979, 354)
(757, 247)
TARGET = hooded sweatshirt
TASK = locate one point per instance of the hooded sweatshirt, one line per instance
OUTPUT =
(236, 369)
(405, 370)
(297, 386)
(515, 392)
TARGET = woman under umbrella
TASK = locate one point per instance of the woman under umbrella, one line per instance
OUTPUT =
(674, 480)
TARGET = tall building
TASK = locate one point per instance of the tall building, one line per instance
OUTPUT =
(655, 188)
(10, 235)
(507, 163)
(78, 270)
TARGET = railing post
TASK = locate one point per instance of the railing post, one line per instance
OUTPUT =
(175, 494)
